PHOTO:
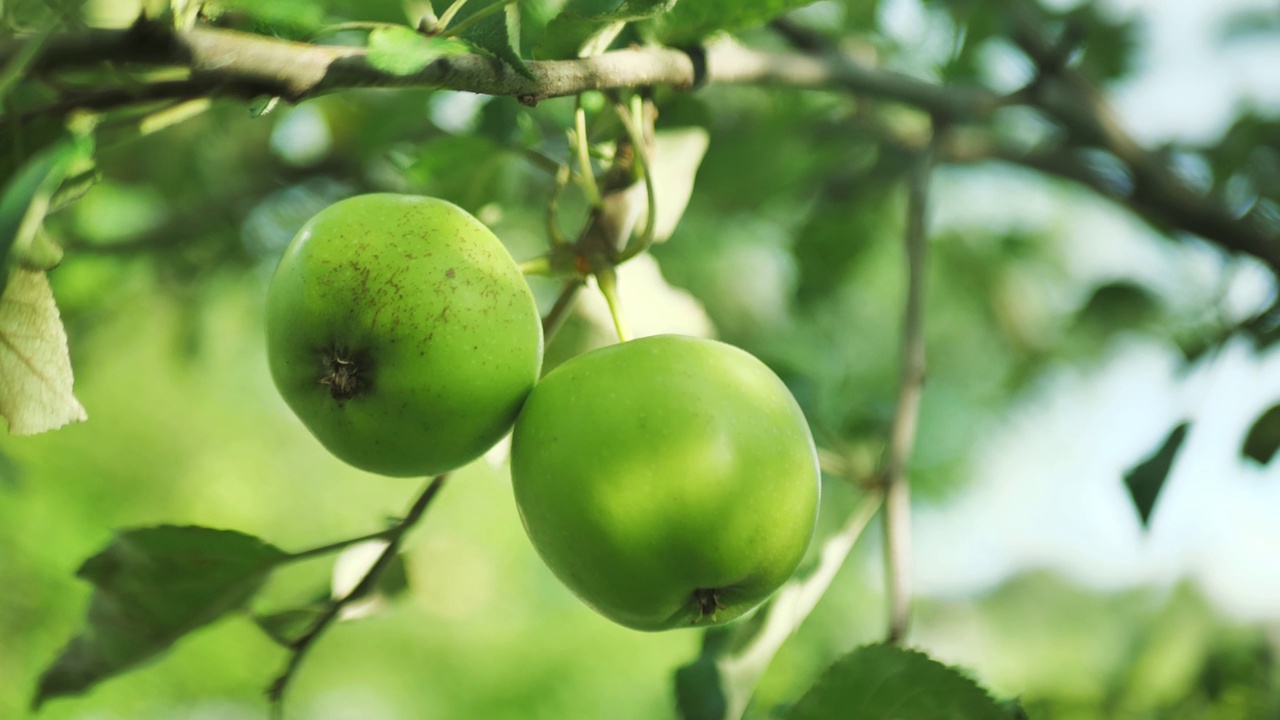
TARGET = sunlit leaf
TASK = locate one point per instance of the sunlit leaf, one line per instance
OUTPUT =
(884, 682)
(401, 51)
(1263, 439)
(151, 587)
(1146, 479)
(292, 19)
(497, 35)
(35, 368)
(676, 156)
(694, 20)
(570, 31)
(351, 567)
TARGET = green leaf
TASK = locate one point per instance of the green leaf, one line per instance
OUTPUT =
(884, 682)
(292, 19)
(1263, 440)
(693, 20)
(286, 626)
(43, 253)
(402, 51)
(497, 34)
(1146, 479)
(25, 199)
(570, 31)
(35, 367)
(151, 587)
(350, 569)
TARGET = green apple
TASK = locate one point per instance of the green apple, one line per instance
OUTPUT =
(668, 481)
(402, 334)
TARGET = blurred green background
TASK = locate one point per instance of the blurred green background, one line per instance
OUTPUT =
(1065, 337)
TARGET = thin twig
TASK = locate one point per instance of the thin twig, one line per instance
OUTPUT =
(897, 504)
(556, 316)
(633, 121)
(796, 600)
(300, 647)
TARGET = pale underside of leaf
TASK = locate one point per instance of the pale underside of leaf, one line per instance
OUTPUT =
(35, 367)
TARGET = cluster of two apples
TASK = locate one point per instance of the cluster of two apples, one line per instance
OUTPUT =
(667, 481)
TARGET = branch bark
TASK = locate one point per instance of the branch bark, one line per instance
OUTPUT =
(242, 64)
(224, 63)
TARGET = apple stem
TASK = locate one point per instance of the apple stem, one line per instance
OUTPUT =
(634, 122)
(579, 138)
(607, 280)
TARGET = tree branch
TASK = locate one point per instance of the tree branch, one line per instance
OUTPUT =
(394, 536)
(897, 500)
(224, 63)
(234, 63)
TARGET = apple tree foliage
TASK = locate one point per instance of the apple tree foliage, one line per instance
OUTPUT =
(769, 155)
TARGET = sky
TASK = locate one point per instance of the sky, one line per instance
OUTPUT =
(1051, 472)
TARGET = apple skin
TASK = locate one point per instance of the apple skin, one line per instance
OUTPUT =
(402, 334)
(668, 481)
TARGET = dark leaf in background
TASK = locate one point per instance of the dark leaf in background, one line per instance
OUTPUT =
(1146, 479)
(884, 682)
(286, 626)
(151, 587)
(1117, 305)
(843, 224)
(699, 687)
(1264, 437)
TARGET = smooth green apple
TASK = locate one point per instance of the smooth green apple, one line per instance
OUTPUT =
(402, 334)
(667, 481)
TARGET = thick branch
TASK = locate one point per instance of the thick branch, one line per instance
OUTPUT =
(243, 63)
(237, 64)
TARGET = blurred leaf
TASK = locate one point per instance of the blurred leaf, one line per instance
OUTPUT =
(353, 564)
(291, 19)
(1264, 437)
(402, 51)
(693, 20)
(16, 69)
(700, 693)
(286, 626)
(35, 368)
(883, 682)
(847, 217)
(497, 34)
(43, 253)
(25, 199)
(151, 587)
(1146, 479)
(1243, 24)
(1117, 305)
(677, 153)
(569, 31)
(1108, 40)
